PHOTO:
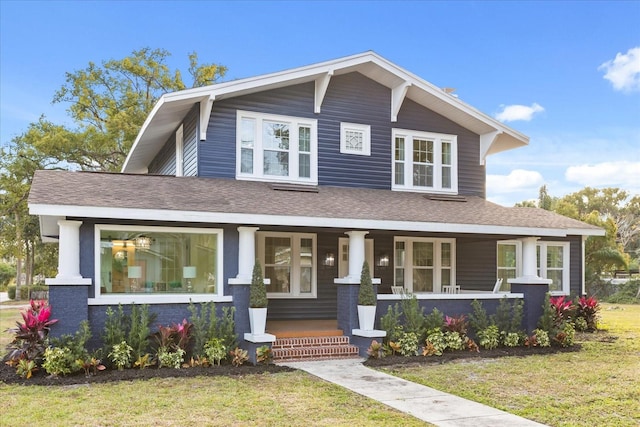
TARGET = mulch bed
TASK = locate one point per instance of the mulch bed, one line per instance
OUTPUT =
(459, 356)
(8, 374)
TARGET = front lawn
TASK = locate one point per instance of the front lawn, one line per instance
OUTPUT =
(598, 385)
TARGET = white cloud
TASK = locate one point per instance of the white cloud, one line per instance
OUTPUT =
(623, 174)
(624, 70)
(512, 113)
(517, 180)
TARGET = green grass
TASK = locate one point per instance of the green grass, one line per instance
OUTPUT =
(600, 385)
(8, 317)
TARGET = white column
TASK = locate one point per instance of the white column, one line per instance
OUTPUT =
(69, 250)
(246, 253)
(356, 253)
(529, 257)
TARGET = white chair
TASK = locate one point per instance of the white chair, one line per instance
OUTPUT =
(397, 290)
(497, 286)
(451, 289)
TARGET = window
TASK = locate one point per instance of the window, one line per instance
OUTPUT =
(355, 139)
(424, 264)
(424, 161)
(289, 264)
(343, 256)
(555, 265)
(276, 148)
(158, 260)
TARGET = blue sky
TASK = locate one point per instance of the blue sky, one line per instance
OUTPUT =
(567, 74)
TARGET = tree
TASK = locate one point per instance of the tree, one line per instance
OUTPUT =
(108, 104)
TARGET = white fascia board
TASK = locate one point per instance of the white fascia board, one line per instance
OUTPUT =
(586, 232)
(284, 220)
(144, 127)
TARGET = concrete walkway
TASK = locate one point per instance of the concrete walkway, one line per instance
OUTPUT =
(427, 404)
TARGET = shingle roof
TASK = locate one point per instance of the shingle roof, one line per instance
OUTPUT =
(117, 193)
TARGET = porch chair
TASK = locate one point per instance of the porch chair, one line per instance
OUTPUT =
(397, 290)
(497, 286)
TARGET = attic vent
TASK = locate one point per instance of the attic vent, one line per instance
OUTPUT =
(446, 197)
(295, 187)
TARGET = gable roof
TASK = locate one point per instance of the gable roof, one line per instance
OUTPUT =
(172, 107)
(56, 194)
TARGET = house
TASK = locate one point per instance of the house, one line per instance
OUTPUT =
(311, 171)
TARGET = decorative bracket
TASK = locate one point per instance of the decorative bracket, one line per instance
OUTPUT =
(322, 83)
(486, 141)
(206, 105)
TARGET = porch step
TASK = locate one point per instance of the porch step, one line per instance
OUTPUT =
(313, 348)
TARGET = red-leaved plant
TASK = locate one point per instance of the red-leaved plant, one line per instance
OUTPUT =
(588, 309)
(30, 337)
(175, 336)
(456, 324)
(563, 309)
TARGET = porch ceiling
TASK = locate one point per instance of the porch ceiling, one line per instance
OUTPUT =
(214, 200)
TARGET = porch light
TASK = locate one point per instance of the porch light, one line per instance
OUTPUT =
(383, 261)
(329, 259)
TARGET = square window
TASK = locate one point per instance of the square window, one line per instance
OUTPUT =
(355, 139)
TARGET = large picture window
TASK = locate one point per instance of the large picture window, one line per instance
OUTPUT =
(276, 148)
(424, 161)
(158, 260)
(424, 264)
(289, 262)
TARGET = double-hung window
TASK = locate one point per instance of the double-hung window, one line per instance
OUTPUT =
(276, 148)
(552, 263)
(424, 161)
(289, 261)
(424, 264)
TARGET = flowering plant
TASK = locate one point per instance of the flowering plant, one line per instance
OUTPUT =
(588, 310)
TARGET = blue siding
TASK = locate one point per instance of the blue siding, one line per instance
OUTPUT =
(165, 161)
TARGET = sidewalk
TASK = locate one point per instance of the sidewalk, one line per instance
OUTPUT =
(427, 404)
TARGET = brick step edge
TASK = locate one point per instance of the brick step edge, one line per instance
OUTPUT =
(310, 341)
(314, 352)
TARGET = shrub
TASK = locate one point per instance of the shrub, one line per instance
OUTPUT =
(628, 293)
(478, 319)
(143, 361)
(215, 350)
(366, 294)
(511, 339)
(139, 330)
(453, 341)
(489, 337)
(57, 361)
(563, 310)
(435, 342)
(115, 328)
(434, 320)
(587, 309)
(502, 318)
(408, 343)
(120, 355)
(75, 344)
(257, 290)
(264, 354)
(25, 368)
(170, 359)
(580, 324)
(224, 327)
(376, 350)
(11, 292)
(390, 322)
(542, 338)
(238, 356)
(565, 335)
(30, 337)
(456, 324)
(7, 273)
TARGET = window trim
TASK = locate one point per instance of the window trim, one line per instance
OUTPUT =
(366, 138)
(180, 151)
(438, 138)
(258, 148)
(168, 298)
(294, 289)
(437, 265)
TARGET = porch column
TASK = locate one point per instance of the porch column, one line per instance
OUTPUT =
(529, 258)
(246, 253)
(356, 253)
(533, 288)
(69, 249)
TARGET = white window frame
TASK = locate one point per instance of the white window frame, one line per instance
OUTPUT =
(168, 298)
(294, 288)
(365, 130)
(541, 266)
(566, 265)
(258, 149)
(343, 256)
(518, 244)
(437, 261)
(439, 139)
(180, 151)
